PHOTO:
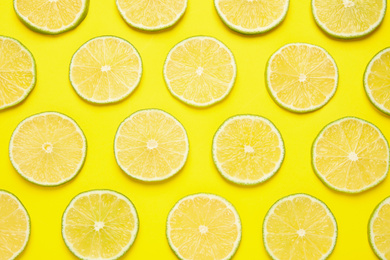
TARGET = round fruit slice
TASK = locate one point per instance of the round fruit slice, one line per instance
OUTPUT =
(48, 149)
(351, 155)
(379, 230)
(252, 17)
(377, 81)
(51, 16)
(301, 77)
(299, 226)
(348, 18)
(151, 145)
(105, 70)
(99, 224)
(17, 72)
(151, 15)
(200, 71)
(14, 226)
(248, 149)
(204, 226)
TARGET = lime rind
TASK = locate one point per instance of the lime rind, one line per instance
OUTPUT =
(111, 101)
(288, 107)
(28, 91)
(260, 30)
(291, 197)
(80, 166)
(100, 192)
(212, 196)
(243, 182)
(192, 103)
(147, 180)
(329, 185)
(380, 107)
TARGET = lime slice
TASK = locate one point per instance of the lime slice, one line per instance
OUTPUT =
(151, 15)
(200, 71)
(351, 155)
(299, 226)
(99, 224)
(14, 226)
(252, 17)
(51, 16)
(377, 81)
(248, 149)
(301, 77)
(204, 226)
(348, 18)
(379, 230)
(105, 70)
(17, 72)
(48, 149)
(151, 145)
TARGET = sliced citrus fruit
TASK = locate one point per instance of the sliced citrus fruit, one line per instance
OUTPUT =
(377, 81)
(204, 226)
(151, 145)
(301, 77)
(99, 224)
(379, 230)
(151, 15)
(14, 226)
(17, 72)
(348, 18)
(51, 16)
(252, 17)
(248, 149)
(299, 226)
(105, 70)
(351, 155)
(48, 149)
(200, 71)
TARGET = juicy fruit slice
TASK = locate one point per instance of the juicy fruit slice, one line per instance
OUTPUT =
(299, 227)
(301, 77)
(351, 155)
(151, 15)
(379, 230)
(377, 81)
(151, 145)
(48, 149)
(99, 224)
(204, 226)
(17, 72)
(105, 69)
(14, 226)
(348, 18)
(248, 149)
(51, 16)
(252, 17)
(200, 71)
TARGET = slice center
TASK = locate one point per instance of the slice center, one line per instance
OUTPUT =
(301, 233)
(353, 156)
(302, 78)
(249, 149)
(152, 144)
(199, 71)
(47, 147)
(106, 68)
(348, 3)
(203, 229)
(98, 225)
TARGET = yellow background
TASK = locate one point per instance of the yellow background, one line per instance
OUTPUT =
(53, 92)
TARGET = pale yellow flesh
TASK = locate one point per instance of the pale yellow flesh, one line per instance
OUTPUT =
(302, 76)
(151, 14)
(248, 149)
(99, 226)
(151, 145)
(351, 155)
(16, 72)
(14, 227)
(105, 69)
(200, 71)
(203, 228)
(47, 149)
(380, 231)
(50, 15)
(299, 228)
